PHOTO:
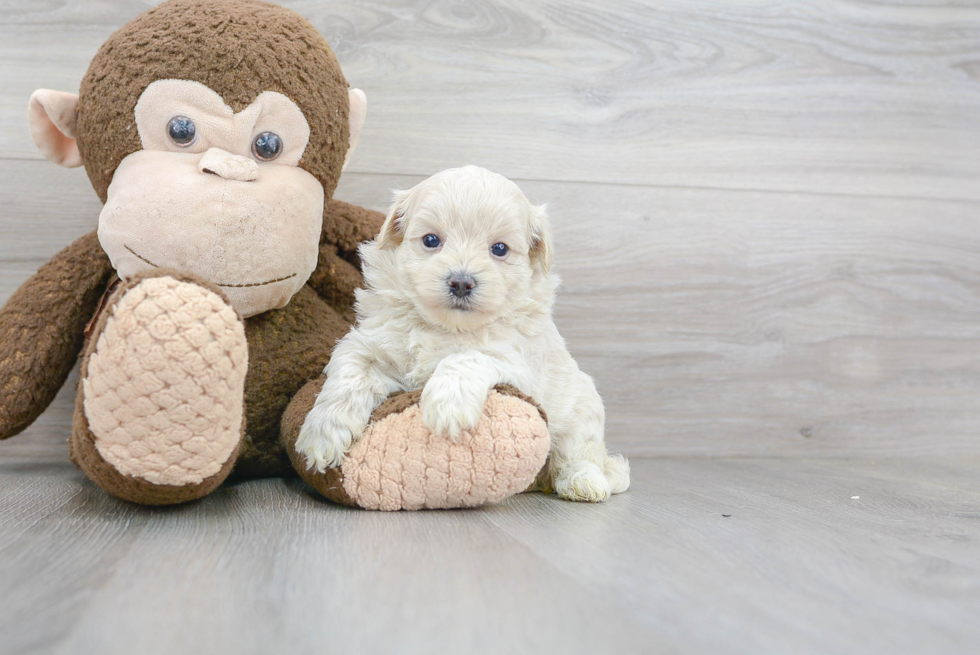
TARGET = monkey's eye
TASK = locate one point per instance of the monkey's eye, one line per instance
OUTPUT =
(267, 146)
(431, 241)
(182, 131)
(499, 249)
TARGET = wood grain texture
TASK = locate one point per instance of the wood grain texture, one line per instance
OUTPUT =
(766, 220)
(765, 214)
(742, 322)
(845, 97)
(797, 566)
(751, 323)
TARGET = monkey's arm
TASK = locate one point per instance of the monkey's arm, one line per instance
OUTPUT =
(42, 330)
(337, 272)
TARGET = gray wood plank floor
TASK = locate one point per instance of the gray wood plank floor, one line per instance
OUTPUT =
(797, 566)
(766, 218)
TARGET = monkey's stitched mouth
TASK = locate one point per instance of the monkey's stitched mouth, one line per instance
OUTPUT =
(233, 286)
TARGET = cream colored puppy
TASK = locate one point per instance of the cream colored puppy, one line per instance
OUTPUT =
(458, 299)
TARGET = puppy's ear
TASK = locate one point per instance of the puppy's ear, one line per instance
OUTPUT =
(393, 229)
(541, 249)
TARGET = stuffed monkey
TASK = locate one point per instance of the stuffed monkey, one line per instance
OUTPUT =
(206, 305)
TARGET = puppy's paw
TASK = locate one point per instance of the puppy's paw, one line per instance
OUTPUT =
(450, 405)
(582, 481)
(323, 440)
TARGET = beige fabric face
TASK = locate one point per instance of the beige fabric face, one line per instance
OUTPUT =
(258, 240)
(218, 126)
(248, 226)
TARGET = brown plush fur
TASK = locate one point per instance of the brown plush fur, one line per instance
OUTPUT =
(286, 348)
(349, 226)
(336, 280)
(42, 330)
(238, 48)
(338, 274)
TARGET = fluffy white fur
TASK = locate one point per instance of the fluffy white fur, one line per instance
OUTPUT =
(412, 332)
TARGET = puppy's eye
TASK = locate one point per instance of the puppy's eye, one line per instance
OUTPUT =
(182, 131)
(267, 146)
(431, 241)
(499, 249)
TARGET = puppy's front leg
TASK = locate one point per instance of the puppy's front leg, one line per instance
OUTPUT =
(355, 386)
(453, 398)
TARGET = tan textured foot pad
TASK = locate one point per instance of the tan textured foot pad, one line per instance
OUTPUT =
(398, 464)
(164, 389)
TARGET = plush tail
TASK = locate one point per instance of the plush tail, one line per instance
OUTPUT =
(617, 470)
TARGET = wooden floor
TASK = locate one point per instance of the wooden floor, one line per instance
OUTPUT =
(701, 556)
(767, 219)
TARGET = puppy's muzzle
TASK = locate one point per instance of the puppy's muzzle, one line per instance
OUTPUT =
(461, 285)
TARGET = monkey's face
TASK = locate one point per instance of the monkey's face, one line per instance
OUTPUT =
(217, 194)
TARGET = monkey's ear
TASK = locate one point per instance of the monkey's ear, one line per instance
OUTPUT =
(52, 116)
(393, 229)
(541, 248)
(358, 111)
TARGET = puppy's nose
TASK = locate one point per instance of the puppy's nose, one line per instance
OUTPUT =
(461, 285)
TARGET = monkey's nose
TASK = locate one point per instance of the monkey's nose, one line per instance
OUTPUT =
(228, 166)
(461, 285)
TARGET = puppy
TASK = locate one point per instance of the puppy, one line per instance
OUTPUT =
(458, 299)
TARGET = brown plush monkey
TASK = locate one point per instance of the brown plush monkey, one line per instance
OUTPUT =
(221, 274)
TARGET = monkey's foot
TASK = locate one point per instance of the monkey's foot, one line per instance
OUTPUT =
(399, 464)
(159, 415)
